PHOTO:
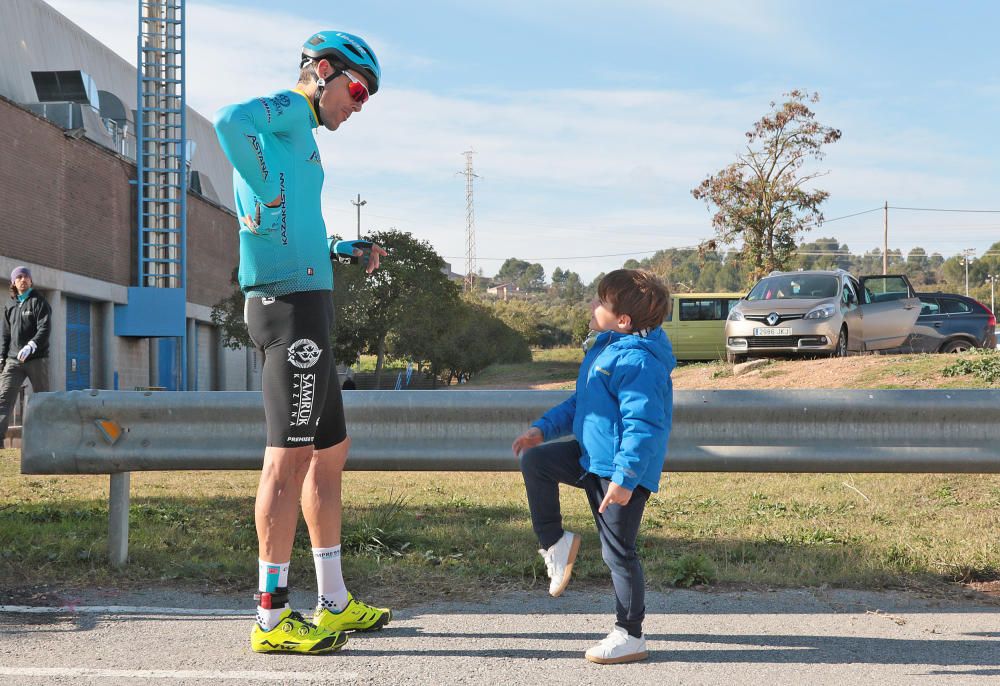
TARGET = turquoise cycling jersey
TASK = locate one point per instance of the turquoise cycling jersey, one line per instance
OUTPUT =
(271, 145)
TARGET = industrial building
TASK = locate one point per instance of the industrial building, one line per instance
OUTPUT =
(131, 308)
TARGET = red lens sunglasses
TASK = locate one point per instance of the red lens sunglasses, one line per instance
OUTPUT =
(358, 90)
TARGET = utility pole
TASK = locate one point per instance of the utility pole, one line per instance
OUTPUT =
(470, 224)
(967, 253)
(885, 238)
(992, 278)
(358, 204)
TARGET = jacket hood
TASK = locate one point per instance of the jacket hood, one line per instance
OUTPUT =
(655, 342)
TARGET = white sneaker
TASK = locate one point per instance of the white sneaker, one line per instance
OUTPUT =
(618, 647)
(559, 561)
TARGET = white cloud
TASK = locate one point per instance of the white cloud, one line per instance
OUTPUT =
(564, 172)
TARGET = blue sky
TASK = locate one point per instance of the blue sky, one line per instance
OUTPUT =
(592, 121)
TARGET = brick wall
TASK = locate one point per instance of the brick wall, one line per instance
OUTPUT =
(68, 204)
(133, 362)
(213, 252)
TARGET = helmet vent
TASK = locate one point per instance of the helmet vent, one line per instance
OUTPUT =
(317, 39)
(357, 52)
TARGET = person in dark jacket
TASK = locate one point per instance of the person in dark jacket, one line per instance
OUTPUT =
(620, 417)
(25, 351)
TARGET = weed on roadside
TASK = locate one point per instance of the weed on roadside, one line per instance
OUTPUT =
(377, 530)
(691, 569)
(983, 364)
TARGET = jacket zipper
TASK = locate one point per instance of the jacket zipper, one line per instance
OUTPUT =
(598, 354)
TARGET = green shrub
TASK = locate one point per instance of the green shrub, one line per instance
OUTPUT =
(984, 364)
(691, 569)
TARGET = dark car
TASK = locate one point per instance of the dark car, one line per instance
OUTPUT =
(951, 323)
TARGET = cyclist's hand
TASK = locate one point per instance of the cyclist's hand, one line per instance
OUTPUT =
(252, 221)
(370, 255)
(359, 252)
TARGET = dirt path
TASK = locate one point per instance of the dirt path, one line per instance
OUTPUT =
(862, 371)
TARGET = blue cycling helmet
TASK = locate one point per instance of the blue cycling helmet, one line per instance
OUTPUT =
(344, 51)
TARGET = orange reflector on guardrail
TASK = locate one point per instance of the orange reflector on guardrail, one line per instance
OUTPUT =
(110, 430)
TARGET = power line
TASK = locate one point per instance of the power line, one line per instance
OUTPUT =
(572, 257)
(730, 251)
(856, 214)
(938, 209)
(653, 227)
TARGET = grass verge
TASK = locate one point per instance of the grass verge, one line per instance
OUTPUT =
(556, 366)
(419, 535)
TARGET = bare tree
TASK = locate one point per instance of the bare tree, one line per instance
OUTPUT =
(765, 198)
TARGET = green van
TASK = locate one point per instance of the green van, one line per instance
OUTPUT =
(697, 323)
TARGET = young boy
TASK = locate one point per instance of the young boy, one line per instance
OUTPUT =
(620, 417)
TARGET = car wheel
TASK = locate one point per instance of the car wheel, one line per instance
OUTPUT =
(957, 346)
(735, 358)
(841, 350)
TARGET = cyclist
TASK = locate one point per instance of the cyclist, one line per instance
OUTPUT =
(286, 275)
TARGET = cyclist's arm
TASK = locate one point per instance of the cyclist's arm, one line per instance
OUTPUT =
(239, 127)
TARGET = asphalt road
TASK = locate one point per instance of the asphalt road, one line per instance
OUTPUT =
(781, 637)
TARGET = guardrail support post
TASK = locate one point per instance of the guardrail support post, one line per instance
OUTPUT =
(118, 504)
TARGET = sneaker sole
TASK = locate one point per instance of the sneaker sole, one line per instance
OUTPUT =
(337, 645)
(376, 626)
(634, 657)
(379, 623)
(571, 558)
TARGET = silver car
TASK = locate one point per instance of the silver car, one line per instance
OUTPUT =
(821, 312)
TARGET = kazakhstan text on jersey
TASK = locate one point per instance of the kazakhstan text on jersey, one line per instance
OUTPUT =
(270, 143)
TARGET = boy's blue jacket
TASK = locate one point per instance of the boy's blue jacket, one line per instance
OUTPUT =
(622, 408)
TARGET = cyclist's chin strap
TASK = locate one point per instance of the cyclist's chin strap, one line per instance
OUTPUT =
(317, 94)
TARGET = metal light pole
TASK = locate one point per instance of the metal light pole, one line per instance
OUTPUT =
(885, 238)
(992, 278)
(968, 252)
(358, 204)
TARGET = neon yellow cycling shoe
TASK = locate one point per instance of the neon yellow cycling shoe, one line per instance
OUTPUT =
(293, 634)
(357, 616)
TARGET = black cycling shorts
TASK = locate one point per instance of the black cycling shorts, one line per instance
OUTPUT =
(302, 401)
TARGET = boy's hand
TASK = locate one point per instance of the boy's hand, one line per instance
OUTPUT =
(529, 439)
(619, 495)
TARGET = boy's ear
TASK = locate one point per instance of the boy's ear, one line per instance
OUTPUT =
(625, 322)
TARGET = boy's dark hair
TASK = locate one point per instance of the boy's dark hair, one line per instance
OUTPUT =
(639, 294)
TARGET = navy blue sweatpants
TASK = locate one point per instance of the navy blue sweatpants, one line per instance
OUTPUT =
(545, 467)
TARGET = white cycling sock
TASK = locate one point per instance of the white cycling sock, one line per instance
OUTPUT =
(330, 579)
(270, 575)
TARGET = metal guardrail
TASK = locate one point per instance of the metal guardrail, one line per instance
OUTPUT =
(117, 432)
(739, 431)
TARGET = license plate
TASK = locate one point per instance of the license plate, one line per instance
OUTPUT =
(772, 331)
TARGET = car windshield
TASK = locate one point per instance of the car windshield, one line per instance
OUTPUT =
(800, 286)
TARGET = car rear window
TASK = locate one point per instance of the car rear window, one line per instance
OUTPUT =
(929, 306)
(954, 306)
(703, 309)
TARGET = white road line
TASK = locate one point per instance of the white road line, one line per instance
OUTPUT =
(259, 675)
(123, 610)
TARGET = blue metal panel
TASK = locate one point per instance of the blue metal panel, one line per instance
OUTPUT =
(77, 344)
(152, 312)
(168, 371)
